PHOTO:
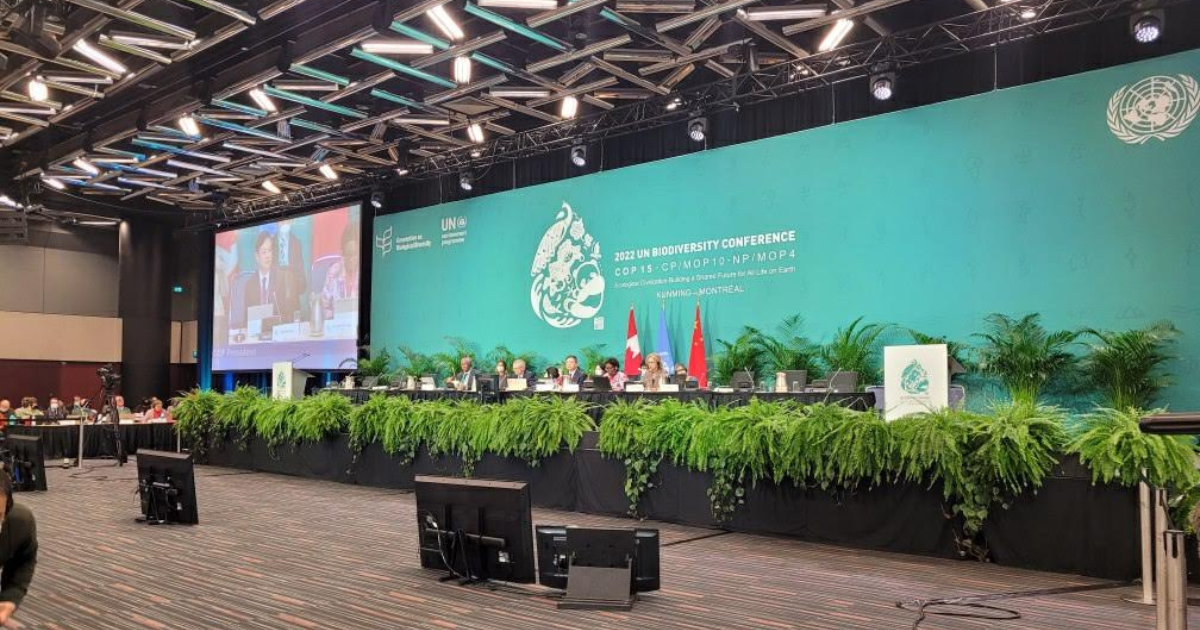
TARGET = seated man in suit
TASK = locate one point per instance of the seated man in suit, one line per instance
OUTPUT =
(571, 371)
(57, 410)
(270, 284)
(465, 378)
(520, 371)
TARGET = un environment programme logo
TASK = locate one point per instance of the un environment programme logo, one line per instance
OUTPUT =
(384, 242)
(568, 286)
(1159, 107)
(914, 380)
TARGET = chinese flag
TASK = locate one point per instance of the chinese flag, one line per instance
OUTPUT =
(633, 350)
(697, 363)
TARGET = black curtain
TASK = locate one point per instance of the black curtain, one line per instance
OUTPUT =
(144, 304)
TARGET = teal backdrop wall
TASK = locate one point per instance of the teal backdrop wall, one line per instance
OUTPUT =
(1020, 200)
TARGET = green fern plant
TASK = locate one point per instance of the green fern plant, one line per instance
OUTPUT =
(854, 348)
(402, 433)
(320, 416)
(1024, 355)
(1117, 451)
(537, 427)
(1126, 366)
(194, 413)
(666, 430)
(236, 413)
(929, 448)
(368, 422)
(621, 438)
(801, 453)
(788, 348)
(859, 450)
(273, 419)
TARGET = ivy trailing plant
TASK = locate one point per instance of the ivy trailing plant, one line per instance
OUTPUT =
(193, 414)
(1117, 451)
(620, 438)
(1025, 356)
(1126, 367)
(320, 416)
(854, 348)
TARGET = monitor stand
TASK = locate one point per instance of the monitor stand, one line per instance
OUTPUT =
(598, 588)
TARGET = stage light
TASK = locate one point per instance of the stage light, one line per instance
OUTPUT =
(674, 104)
(402, 171)
(84, 48)
(519, 92)
(883, 86)
(264, 101)
(86, 166)
(7, 201)
(188, 125)
(397, 47)
(579, 154)
(476, 153)
(529, 5)
(475, 133)
(444, 22)
(38, 90)
(53, 183)
(466, 180)
(1028, 13)
(462, 70)
(697, 128)
(796, 12)
(271, 187)
(1146, 27)
(569, 107)
(377, 199)
(836, 34)
(328, 172)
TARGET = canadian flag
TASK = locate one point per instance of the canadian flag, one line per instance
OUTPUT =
(633, 350)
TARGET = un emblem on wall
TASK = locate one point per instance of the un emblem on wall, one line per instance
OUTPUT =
(1158, 107)
(567, 284)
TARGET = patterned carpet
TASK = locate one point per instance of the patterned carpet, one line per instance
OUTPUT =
(282, 552)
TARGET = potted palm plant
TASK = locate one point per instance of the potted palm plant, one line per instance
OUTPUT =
(788, 348)
(1126, 366)
(1024, 355)
(854, 349)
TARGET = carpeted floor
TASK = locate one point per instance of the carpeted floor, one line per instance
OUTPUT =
(282, 552)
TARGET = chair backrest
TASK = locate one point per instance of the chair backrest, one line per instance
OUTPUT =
(320, 268)
(237, 300)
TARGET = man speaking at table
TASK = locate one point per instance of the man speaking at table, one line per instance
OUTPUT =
(571, 371)
(18, 550)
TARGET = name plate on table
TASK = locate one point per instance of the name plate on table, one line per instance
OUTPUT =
(570, 387)
(517, 384)
(286, 332)
(341, 327)
(635, 388)
(254, 328)
(545, 387)
(428, 387)
(669, 388)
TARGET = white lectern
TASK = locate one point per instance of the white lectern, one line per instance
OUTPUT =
(287, 382)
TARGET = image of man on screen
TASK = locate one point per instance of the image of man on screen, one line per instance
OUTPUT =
(269, 285)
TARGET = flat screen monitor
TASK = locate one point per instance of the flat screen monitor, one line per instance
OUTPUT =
(795, 379)
(743, 380)
(477, 529)
(167, 485)
(287, 289)
(557, 545)
(27, 462)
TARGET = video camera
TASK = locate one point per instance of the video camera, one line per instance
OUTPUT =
(109, 378)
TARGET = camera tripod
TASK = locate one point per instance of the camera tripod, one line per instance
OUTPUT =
(107, 405)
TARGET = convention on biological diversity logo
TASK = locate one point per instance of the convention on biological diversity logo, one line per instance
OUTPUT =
(914, 379)
(1159, 107)
(568, 286)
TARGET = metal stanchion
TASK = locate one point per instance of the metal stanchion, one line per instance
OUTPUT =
(1146, 516)
(79, 459)
(1173, 611)
(1160, 565)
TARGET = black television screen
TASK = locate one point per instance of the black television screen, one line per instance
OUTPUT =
(478, 529)
(27, 462)
(555, 550)
(166, 482)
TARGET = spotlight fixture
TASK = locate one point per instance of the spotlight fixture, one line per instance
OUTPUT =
(1147, 26)
(466, 180)
(883, 85)
(475, 133)
(697, 128)
(86, 166)
(264, 102)
(53, 183)
(579, 154)
(188, 125)
(445, 23)
(1028, 13)
(402, 171)
(377, 199)
(674, 104)
(462, 70)
(569, 107)
(91, 52)
(397, 47)
(476, 153)
(271, 187)
(328, 172)
(836, 34)
(38, 90)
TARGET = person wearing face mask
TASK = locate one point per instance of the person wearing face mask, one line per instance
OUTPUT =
(7, 414)
(56, 411)
(18, 550)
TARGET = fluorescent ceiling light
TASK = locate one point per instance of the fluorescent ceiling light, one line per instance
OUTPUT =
(96, 223)
(795, 12)
(656, 6)
(27, 109)
(271, 187)
(7, 201)
(836, 34)
(54, 183)
(84, 48)
(532, 5)
(444, 22)
(38, 90)
(519, 92)
(422, 120)
(148, 41)
(328, 172)
(87, 166)
(301, 85)
(188, 125)
(462, 70)
(263, 100)
(475, 133)
(569, 107)
(397, 47)
(78, 78)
